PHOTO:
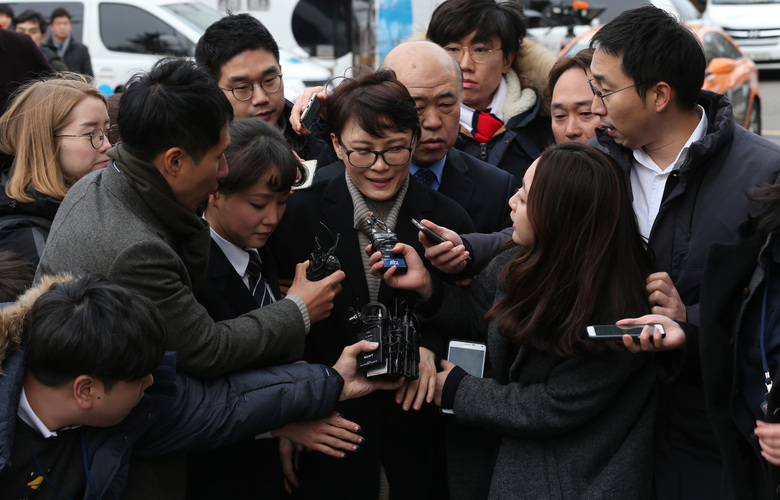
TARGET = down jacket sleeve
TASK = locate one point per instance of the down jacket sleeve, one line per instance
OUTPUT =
(206, 414)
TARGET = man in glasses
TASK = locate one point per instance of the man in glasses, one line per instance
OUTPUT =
(691, 169)
(242, 56)
(503, 120)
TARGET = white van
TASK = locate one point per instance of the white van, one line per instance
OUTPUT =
(127, 36)
(753, 24)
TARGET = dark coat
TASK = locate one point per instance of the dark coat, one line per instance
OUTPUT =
(24, 227)
(409, 444)
(726, 286)
(223, 293)
(705, 207)
(213, 473)
(709, 200)
(75, 56)
(329, 202)
(105, 227)
(20, 60)
(480, 188)
(543, 426)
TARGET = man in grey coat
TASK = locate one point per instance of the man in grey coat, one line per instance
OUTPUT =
(135, 223)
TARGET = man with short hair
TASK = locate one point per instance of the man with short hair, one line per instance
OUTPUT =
(136, 222)
(690, 169)
(80, 397)
(74, 53)
(571, 98)
(34, 24)
(503, 118)
(434, 82)
(243, 58)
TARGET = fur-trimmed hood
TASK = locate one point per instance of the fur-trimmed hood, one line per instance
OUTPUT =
(532, 65)
(12, 315)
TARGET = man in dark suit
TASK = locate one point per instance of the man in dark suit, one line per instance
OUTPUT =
(433, 79)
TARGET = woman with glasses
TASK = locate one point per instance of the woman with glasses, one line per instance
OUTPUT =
(374, 128)
(55, 130)
(557, 415)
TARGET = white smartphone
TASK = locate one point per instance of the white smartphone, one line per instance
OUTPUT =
(616, 332)
(468, 355)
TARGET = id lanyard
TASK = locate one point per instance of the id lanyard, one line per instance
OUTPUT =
(762, 337)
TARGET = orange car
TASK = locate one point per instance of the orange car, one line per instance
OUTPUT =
(728, 72)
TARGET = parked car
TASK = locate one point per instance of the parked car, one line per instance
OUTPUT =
(753, 24)
(728, 72)
(127, 36)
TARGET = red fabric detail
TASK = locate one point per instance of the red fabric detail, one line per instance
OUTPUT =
(485, 126)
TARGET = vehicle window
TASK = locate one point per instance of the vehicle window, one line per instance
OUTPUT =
(715, 45)
(76, 10)
(197, 14)
(124, 28)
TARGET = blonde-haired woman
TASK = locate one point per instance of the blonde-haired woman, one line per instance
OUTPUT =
(54, 132)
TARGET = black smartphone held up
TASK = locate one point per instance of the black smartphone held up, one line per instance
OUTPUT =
(310, 112)
(468, 355)
(435, 238)
(616, 332)
(430, 234)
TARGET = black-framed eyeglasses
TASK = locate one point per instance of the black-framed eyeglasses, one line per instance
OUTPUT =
(601, 96)
(365, 158)
(478, 53)
(242, 91)
(96, 137)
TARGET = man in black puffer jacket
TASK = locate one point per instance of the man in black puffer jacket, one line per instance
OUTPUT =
(690, 169)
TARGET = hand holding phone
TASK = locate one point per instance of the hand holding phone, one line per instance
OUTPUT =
(468, 355)
(430, 234)
(310, 112)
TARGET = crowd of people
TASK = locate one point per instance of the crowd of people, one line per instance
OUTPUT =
(162, 334)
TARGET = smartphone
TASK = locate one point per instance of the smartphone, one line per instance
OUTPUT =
(468, 355)
(616, 332)
(435, 238)
(430, 234)
(310, 112)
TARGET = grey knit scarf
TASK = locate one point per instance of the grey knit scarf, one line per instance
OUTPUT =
(387, 211)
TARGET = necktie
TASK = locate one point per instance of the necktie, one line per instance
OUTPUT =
(256, 282)
(425, 176)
